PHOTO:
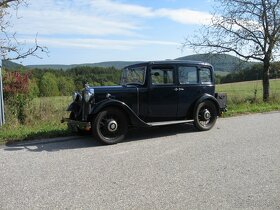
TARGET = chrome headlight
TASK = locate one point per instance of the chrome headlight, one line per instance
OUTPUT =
(88, 95)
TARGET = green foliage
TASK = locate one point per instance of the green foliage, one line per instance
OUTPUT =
(74, 79)
(16, 86)
(66, 86)
(252, 73)
(49, 85)
(43, 117)
(34, 90)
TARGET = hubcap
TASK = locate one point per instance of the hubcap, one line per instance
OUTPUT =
(112, 126)
(206, 114)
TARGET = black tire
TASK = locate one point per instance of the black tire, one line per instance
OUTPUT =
(110, 126)
(205, 116)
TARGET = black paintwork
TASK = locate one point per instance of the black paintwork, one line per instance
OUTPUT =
(151, 103)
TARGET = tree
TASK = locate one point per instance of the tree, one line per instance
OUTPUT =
(10, 47)
(66, 86)
(248, 28)
(49, 85)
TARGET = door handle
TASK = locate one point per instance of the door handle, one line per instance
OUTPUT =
(178, 89)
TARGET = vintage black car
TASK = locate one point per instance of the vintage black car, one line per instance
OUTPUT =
(149, 94)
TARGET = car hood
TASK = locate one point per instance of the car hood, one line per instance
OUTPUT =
(123, 93)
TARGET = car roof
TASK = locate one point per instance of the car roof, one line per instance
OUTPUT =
(190, 62)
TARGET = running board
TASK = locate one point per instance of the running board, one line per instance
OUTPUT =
(169, 122)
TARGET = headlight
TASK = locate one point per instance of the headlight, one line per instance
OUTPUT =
(88, 95)
(77, 97)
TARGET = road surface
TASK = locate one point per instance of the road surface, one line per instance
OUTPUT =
(234, 165)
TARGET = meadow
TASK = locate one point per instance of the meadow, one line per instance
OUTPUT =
(246, 97)
(44, 113)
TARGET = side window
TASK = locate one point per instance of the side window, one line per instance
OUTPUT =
(205, 76)
(187, 75)
(162, 76)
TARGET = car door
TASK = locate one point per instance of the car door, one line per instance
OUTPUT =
(194, 81)
(189, 88)
(163, 92)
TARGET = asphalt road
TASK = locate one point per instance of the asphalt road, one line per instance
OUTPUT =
(235, 165)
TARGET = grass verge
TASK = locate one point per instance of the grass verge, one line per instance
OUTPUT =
(9, 134)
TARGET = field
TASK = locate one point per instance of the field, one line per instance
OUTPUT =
(246, 97)
(44, 114)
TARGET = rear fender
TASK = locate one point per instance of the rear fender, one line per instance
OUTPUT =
(133, 118)
(207, 97)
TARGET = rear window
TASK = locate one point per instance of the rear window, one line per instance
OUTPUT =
(205, 76)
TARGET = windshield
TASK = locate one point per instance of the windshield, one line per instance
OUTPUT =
(135, 75)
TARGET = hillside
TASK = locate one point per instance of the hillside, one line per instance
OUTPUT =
(116, 64)
(221, 62)
(11, 65)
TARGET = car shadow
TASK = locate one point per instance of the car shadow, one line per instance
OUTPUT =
(78, 142)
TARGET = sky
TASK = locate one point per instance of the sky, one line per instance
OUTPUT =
(90, 31)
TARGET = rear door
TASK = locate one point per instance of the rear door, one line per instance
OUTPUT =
(194, 81)
(189, 88)
(163, 93)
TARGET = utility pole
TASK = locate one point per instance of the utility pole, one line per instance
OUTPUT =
(2, 115)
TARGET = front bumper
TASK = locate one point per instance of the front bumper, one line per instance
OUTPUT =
(77, 125)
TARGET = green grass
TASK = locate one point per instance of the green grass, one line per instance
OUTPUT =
(44, 114)
(28, 132)
(43, 120)
(246, 97)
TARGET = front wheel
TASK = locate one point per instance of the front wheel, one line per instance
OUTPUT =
(110, 126)
(205, 116)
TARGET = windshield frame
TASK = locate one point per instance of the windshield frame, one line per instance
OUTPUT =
(129, 68)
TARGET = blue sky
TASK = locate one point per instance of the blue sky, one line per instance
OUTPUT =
(88, 31)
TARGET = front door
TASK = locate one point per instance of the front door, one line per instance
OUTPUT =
(163, 93)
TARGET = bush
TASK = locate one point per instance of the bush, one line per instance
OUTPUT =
(16, 94)
(49, 85)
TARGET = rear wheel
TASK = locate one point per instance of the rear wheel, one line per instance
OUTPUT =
(110, 126)
(205, 116)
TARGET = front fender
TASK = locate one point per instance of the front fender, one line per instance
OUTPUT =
(133, 118)
(74, 107)
(209, 98)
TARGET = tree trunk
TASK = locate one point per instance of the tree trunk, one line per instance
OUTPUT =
(266, 68)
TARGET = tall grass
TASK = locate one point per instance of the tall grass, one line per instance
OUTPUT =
(43, 120)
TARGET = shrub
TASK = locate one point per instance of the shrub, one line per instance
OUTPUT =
(16, 93)
(48, 85)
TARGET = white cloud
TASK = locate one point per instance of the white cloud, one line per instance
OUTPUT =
(185, 16)
(96, 17)
(116, 8)
(53, 17)
(99, 43)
